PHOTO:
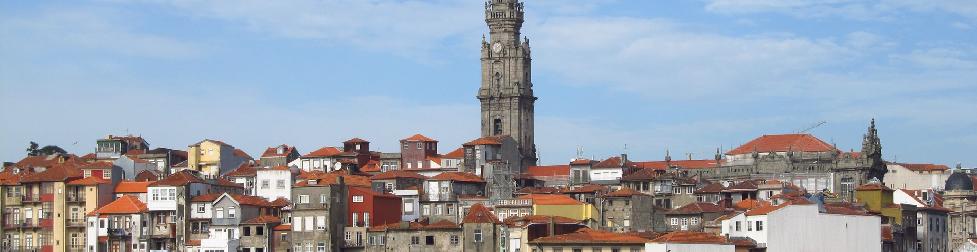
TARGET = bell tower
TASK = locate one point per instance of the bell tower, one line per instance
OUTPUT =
(506, 93)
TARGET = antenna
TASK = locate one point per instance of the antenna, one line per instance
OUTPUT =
(813, 126)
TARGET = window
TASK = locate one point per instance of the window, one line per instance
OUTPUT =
(304, 199)
(688, 190)
(685, 221)
(219, 213)
(429, 240)
(358, 198)
(695, 221)
(674, 221)
(737, 225)
(454, 240)
(321, 247)
(201, 208)
(297, 224)
(576, 249)
(389, 186)
(420, 146)
(414, 240)
(497, 127)
(284, 236)
(408, 206)
(597, 249)
(265, 184)
(323, 199)
(366, 219)
(320, 222)
(247, 231)
(356, 219)
(438, 209)
(478, 236)
(107, 174)
(280, 184)
(426, 210)
(759, 226)
(231, 212)
(749, 226)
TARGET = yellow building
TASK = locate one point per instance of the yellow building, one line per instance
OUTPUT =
(213, 158)
(561, 205)
(878, 199)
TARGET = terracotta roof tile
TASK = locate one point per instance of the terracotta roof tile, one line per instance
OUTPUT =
(685, 237)
(873, 187)
(624, 192)
(59, 172)
(925, 167)
(418, 138)
(459, 176)
(97, 165)
(480, 214)
(582, 161)
(783, 143)
(193, 242)
(548, 170)
(643, 174)
(356, 140)
(748, 204)
(590, 236)
(181, 178)
(283, 227)
(489, 140)
(748, 185)
(393, 174)
(887, 233)
(328, 151)
(264, 219)
(123, 205)
(132, 187)
(614, 162)
(273, 151)
(241, 153)
(245, 170)
(522, 221)
(711, 188)
(92, 180)
(698, 208)
(371, 166)
(455, 154)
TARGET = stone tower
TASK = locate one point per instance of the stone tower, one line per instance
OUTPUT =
(506, 94)
(872, 152)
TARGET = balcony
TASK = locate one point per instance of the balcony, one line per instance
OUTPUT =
(75, 198)
(353, 244)
(75, 223)
(29, 223)
(30, 198)
(119, 232)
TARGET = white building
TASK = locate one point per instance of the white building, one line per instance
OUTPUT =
(323, 159)
(120, 223)
(689, 241)
(916, 176)
(794, 227)
(274, 182)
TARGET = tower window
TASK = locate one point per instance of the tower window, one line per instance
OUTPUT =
(497, 127)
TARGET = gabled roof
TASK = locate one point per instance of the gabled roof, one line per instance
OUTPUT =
(89, 181)
(613, 162)
(480, 214)
(356, 140)
(264, 219)
(210, 140)
(685, 237)
(538, 190)
(455, 154)
(280, 202)
(123, 205)
(180, 178)
(459, 176)
(393, 174)
(45, 161)
(489, 140)
(748, 185)
(548, 170)
(245, 170)
(327, 151)
(711, 188)
(698, 208)
(97, 165)
(370, 166)
(273, 151)
(132, 187)
(56, 173)
(418, 138)
(590, 236)
(239, 198)
(551, 199)
(241, 153)
(783, 143)
(624, 192)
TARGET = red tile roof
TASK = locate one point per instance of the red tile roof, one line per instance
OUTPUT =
(590, 236)
(123, 205)
(748, 185)
(698, 208)
(887, 233)
(551, 199)
(193, 242)
(455, 154)
(181, 178)
(328, 151)
(273, 151)
(685, 237)
(132, 187)
(681, 164)
(873, 187)
(56, 173)
(393, 174)
(356, 140)
(418, 138)
(45, 161)
(89, 181)
(245, 170)
(624, 192)
(264, 219)
(925, 167)
(459, 176)
(711, 188)
(371, 166)
(489, 140)
(764, 210)
(783, 143)
(480, 214)
(280, 202)
(614, 162)
(581, 161)
(748, 204)
(283, 227)
(97, 165)
(548, 170)
(241, 153)
(643, 175)
(240, 198)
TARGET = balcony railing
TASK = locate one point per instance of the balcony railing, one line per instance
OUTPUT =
(31, 198)
(119, 232)
(29, 223)
(352, 244)
(75, 198)
(76, 223)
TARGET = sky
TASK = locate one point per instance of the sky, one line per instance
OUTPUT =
(636, 77)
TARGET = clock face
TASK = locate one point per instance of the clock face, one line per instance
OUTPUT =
(497, 47)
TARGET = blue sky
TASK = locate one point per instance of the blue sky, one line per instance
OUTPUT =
(688, 76)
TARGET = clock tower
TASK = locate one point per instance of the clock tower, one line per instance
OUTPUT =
(506, 94)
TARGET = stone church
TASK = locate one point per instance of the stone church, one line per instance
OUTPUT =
(506, 93)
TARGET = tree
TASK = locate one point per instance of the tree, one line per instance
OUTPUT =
(32, 150)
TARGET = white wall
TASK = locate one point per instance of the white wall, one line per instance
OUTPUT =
(802, 228)
(273, 191)
(161, 203)
(675, 247)
(194, 214)
(606, 174)
(899, 177)
(760, 236)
